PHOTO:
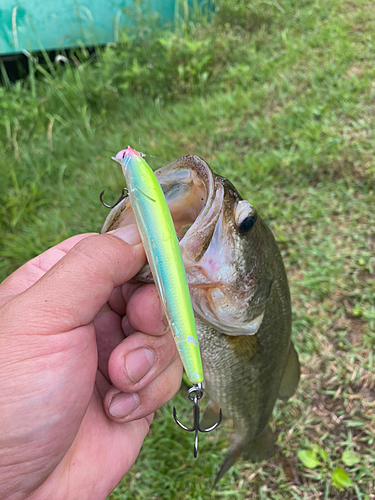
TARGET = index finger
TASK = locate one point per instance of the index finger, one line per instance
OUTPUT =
(74, 290)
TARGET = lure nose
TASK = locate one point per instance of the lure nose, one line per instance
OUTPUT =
(125, 152)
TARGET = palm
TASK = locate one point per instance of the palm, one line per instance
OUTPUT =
(115, 447)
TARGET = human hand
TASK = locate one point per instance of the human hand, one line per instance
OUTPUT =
(79, 379)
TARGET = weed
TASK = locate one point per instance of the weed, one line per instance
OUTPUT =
(317, 458)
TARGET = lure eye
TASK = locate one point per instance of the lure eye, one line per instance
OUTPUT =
(120, 155)
(245, 216)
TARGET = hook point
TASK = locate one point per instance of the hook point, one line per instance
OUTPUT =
(123, 196)
(194, 394)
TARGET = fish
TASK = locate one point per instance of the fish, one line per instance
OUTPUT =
(241, 300)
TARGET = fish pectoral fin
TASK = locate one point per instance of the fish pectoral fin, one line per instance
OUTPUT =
(291, 375)
(262, 448)
(210, 416)
(245, 347)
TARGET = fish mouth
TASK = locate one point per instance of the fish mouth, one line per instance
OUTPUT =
(199, 204)
(195, 200)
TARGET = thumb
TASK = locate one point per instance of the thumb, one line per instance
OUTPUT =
(74, 290)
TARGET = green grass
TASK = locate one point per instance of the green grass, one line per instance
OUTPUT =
(278, 97)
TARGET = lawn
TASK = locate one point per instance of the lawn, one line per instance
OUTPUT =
(279, 97)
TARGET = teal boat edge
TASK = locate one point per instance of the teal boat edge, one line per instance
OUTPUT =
(34, 26)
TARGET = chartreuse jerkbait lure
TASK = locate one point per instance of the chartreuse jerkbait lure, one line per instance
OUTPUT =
(161, 245)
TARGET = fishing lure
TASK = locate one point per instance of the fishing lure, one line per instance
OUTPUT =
(161, 245)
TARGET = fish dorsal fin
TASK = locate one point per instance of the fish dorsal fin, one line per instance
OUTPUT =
(291, 375)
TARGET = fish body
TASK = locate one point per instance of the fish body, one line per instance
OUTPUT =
(160, 242)
(240, 295)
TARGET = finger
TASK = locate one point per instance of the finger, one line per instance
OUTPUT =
(111, 325)
(120, 296)
(154, 322)
(126, 407)
(116, 301)
(140, 359)
(109, 333)
(34, 269)
(127, 327)
(89, 272)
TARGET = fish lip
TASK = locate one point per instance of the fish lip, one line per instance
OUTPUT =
(210, 186)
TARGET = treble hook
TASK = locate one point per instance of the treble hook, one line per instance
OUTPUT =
(123, 195)
(194, 394)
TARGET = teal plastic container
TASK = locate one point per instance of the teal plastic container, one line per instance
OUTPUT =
(35, 25)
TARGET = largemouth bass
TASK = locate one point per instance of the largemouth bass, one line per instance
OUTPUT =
(241, 301)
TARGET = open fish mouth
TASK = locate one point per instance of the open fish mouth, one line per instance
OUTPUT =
(202, 205)
(195, 202)
(189, 188)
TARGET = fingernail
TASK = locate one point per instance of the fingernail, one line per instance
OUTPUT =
(129, 234)
(138, 363)
(123, 404)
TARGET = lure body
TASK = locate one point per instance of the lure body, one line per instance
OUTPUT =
(161, 245)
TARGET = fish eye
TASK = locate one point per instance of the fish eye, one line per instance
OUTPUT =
(245, 216)
(247, 224)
